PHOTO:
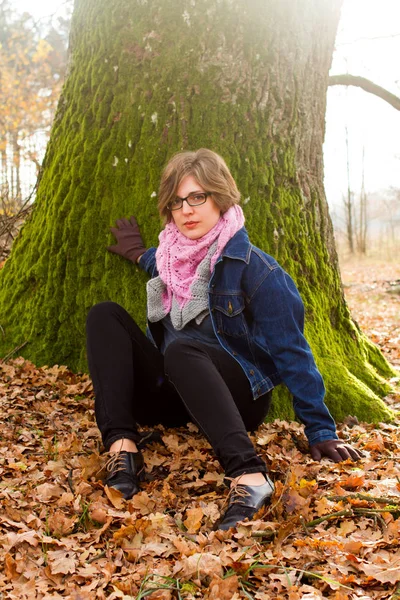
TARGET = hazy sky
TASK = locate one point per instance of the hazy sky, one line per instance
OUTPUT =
(368, 44)
(371, 122)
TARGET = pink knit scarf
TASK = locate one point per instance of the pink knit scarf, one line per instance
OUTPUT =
(179, 257)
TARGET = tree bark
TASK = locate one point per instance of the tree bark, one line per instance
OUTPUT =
(146, 79)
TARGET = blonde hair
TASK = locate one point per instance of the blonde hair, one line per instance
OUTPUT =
(210, 171)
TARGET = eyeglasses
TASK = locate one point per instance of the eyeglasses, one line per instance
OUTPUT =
(193, 200)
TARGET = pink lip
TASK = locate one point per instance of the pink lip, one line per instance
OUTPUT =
(191, 223)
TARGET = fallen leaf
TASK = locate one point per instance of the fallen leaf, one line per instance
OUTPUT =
(143, 503)
(62, 561)
(15, 539)
(48, 492)
(223, 589)
(59, 524)
(193, 519)
(293, 501)
(347, 527)
(10, 567)
(198, 566)
(382, 573)
(115, 496)
(353, 481)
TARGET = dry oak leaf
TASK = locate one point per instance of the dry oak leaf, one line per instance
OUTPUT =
(10, 567)
(214, 477)
(172, 442)
(199, 566)
(143, 503)
(293, 501)
(353, 547)
(59, 524)
(48, 492)
(375, 444)
(62, 562)
(11, 539)
(156, 595)
(223, 589)
(307, 487)
(98, 512)
(286, 580)
(323, 506)
(92, 466)
(156, 549)
(100, 531)
(382, 574)
(193, 519)
(347, 527)
(182, 546)
(211, 511)
(385, 568)
(115, 497)
(353, 481)
(54, 468)
(124, 532)
(265, 438)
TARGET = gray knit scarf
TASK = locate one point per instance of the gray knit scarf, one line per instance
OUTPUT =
(196, 308)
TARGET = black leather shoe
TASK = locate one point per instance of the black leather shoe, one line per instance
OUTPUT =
(125, 470)
(245, 501)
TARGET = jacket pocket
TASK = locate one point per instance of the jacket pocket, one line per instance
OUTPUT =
(229, 314)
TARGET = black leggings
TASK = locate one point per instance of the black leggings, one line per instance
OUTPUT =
(135, 384)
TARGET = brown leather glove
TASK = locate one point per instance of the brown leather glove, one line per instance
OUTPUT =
(129, 241)
(336, 450)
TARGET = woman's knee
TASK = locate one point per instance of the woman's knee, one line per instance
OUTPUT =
(101, 312)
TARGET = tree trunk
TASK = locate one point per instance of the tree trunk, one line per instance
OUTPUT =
(16, 166)
(146, 79)
(348, 202)
(362, 213)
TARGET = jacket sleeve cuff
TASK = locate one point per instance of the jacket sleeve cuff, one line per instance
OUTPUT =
(143, 260)
(321, 436)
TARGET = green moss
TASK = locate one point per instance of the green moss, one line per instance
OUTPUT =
(346, 394)
(143, 84)
(281, 405)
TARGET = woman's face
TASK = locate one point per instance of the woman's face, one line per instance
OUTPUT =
(195, 221)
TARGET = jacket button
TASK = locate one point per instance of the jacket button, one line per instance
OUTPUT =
(251, 372)
(234, 353)
(218, 331)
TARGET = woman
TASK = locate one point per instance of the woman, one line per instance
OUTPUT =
(225, 326)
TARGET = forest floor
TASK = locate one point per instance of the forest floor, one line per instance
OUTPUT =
(332, 531)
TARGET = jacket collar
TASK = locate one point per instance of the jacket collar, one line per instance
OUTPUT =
(238, 247)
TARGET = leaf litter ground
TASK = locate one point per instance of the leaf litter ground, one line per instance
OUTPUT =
(332, 531)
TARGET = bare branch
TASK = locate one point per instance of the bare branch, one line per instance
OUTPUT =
(368, 39)
(368, 86)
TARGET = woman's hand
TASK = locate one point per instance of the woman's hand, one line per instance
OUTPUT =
(129, 241)
(336, 450)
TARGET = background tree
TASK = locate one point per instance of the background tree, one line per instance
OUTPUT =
(146, 79)
(361, 228)
(348, 202)
(32, 65)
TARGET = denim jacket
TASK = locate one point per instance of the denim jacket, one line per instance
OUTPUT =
(258, 317)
